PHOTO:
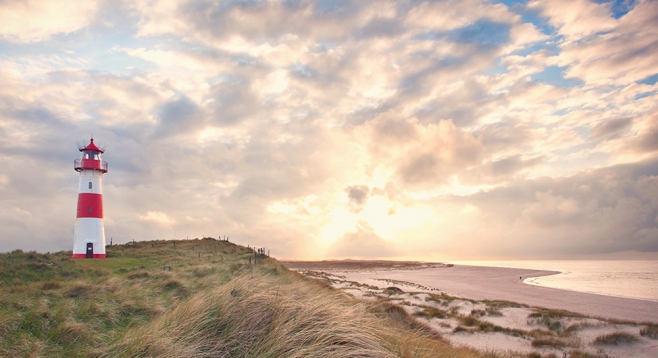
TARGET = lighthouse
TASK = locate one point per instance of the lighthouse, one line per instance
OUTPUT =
(89, 237)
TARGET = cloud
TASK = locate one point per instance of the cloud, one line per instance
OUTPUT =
(358, 196)
(601, 50)
(158, 218)
(362, 243)
(346, 129)
(576, 19)
(30, 21)
(598, 211)
(610, 128)
(510, 165)
(178, 116)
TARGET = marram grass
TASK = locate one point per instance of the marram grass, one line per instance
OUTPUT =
(211, 304)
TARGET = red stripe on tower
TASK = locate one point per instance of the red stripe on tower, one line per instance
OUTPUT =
(90, 205)
(84, 256)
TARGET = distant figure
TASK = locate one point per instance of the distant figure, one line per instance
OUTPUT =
(520, 278)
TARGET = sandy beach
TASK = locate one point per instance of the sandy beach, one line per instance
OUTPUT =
(495, 283)
(479, 307)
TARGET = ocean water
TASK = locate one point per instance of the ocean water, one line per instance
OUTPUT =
(622, 278)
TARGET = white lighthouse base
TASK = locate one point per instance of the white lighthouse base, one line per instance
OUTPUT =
(89, 238)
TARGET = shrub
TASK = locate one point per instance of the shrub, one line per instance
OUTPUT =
(650, 331)
(393, 291)
(469, 321)
(431, 312)
(616, 338)
(581, 354)
(548, 342)
(478, 313)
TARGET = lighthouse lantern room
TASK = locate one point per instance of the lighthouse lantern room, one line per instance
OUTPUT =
(89, 237)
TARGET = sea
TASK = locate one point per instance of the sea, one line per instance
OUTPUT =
(621, 278)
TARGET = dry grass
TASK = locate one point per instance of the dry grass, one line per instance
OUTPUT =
(280, 316)
(547, 341)
(212, 305)
(616, 338)
(581, 354)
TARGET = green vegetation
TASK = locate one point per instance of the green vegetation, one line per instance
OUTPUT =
(552, 319)
(211, 303)
(431, 312)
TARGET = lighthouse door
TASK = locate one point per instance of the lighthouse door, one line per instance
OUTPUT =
(90, 250)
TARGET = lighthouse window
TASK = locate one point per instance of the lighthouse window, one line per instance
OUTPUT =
(89, 209)
(89, 185)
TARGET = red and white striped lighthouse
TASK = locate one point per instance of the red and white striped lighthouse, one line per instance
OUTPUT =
(89, 237)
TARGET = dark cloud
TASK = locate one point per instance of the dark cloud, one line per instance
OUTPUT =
(177, 116)
(610, 129)
(358, 196)
(513, 164)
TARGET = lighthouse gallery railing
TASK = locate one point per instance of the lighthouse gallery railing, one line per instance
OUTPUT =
(89, 164)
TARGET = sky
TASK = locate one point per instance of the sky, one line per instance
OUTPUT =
(428, 130)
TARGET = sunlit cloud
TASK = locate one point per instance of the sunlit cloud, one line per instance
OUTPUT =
(435, 129)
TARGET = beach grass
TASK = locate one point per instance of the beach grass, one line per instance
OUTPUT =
(616, 338)
(210, 303)
(552, 342)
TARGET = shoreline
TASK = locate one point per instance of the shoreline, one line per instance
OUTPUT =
(590, 293)
(491, 283)
(573, 277)
(496, 283)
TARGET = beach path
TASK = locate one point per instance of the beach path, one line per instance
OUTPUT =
(495, 283)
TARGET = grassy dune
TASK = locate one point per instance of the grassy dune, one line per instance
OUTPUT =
(211, 304)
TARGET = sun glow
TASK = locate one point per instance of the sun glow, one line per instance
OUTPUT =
(341, 221)
(387, 220)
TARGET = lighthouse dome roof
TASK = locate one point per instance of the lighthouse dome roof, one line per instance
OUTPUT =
(92, 146)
